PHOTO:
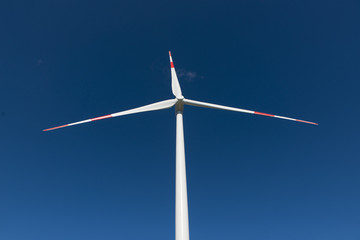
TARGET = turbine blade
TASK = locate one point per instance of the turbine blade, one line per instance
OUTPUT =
(216, 106)
(151, 107)
(175, 86)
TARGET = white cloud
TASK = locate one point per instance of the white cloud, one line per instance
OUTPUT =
(186, 75)
(39, 62)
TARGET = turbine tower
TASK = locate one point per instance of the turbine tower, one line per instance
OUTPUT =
(181, 200)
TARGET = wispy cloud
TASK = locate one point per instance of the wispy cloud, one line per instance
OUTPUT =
(39, 62)
(186, 75)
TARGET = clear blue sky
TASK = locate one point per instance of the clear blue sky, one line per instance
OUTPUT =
(249, 177)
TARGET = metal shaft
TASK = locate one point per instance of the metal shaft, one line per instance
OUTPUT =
(181, 203)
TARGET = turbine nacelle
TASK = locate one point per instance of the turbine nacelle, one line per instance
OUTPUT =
(179, 106)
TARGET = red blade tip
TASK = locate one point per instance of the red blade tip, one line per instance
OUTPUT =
(45, 130)
(306, 122)
(264, 114)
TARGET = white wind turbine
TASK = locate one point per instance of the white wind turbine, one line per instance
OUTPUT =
(181, 204)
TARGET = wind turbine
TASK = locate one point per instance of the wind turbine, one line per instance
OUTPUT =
(181, 204)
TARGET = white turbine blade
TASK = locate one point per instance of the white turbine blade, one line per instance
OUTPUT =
(151, 107)
(216, 106)
(175, 86)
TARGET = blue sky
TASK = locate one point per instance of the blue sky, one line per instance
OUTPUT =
(249, 177)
